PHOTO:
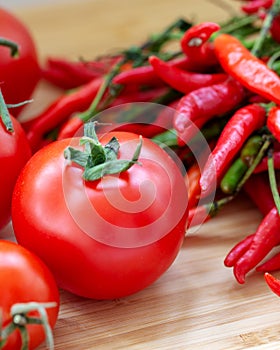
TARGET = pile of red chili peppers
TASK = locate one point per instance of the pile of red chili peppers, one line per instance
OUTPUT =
(224, 79)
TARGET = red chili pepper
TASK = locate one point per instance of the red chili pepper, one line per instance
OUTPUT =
(258, 189)
(194, 43)
(145, 75)
(192, 180)
(182, 80)
(71, 126)
(237, 130)
(263, 166)
(273, 122)
(273, 283)
(275, 28)
(238, 250)
(67, 74)
(60, 110)
(264, 240)
(256, 5)
(242, 65)
(201, 105)
(272, 264)
(198, 215)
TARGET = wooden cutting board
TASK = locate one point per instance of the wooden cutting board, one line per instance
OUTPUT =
(196, 304)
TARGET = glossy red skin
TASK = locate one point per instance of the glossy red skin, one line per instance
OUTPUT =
(25, 278)
(14, 153)
(82, 265)
(18, 75)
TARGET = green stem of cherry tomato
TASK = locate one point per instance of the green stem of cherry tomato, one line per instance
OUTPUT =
(5, 115)
(11, 45)
(20, 320)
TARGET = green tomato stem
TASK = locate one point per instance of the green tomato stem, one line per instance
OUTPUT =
(11, 45)
(5, 115)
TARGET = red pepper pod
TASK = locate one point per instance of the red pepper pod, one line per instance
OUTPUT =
(256, 5)
(194, 42)
(273, 122)
(182, 80)
(237, 130)
(205, 103)
(238, 250)
(275, 28)
(262, 197)
(272, 264)
(273, 283)
(145, 75)
(265, 239)
(60, 110)
(263, 165)
(250, 71)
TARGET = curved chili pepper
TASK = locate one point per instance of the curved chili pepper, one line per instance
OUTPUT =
(182, 80)
(273, 283)
(264, 240)
(194, 43)
(253, 73)
(61, 109)
(258, 189)
(67, 74)
(238, 250)
(70, 128)
(263, 165)
(256, 5)
(273, 122)
(237, 130)
(201, 105)
(145, 75)
(272, 264)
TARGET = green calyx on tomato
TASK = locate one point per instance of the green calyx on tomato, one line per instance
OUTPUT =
(98, 160)
(20, 320)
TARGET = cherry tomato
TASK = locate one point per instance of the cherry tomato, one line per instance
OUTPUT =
(14, 153)
(18, 75)
(106, 238)
(25, 278)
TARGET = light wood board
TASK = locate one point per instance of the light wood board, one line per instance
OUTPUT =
(196, 304)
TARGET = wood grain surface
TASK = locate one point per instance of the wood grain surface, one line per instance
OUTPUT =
(196, 304)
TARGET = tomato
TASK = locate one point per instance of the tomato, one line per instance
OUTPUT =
(14, 153)
(18, 75)
(25, 278)
(106, 238)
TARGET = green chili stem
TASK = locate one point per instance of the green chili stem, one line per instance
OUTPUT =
(5, 115)
(272, 180)
(274, 10)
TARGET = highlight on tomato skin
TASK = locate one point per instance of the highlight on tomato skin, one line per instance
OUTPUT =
(108, 238)
(25, 281)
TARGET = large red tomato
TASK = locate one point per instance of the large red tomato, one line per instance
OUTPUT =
(106, 238)
(14, 153)
(18, 75)
(24, 278)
